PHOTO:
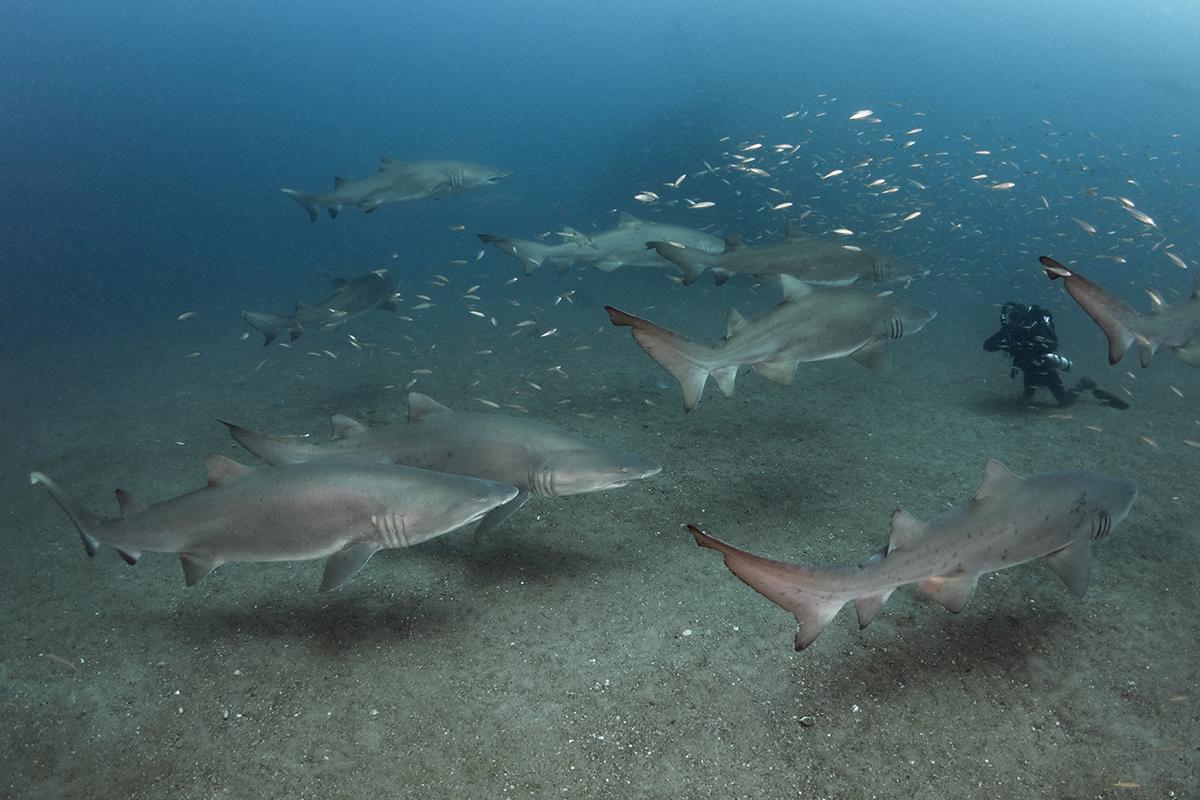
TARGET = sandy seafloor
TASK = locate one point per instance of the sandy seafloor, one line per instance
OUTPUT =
(590, 649)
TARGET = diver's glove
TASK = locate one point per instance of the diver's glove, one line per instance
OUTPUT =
(1057, 361)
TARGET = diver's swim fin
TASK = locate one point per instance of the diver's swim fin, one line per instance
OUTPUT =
(1109, 399)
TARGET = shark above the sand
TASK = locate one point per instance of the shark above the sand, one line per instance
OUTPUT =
(1010, 520)
(534, 457)
(623, 246)
(1171, 327)
(350, 299)
(812, 323)
(397, 182)
(816, 261)
(344, 512)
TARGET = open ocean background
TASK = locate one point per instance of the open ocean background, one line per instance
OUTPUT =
(144, 145)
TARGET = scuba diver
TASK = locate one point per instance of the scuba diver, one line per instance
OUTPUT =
(1027, 335)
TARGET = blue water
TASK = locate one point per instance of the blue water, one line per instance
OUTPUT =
(143, 147)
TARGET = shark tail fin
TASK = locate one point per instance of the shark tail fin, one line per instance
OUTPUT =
(692, 261)
(275, 450)
(687, 362)
(804, 591)
(84, 520)
(530, 254)
(1113, 316)
(307, 201)
(271, 325)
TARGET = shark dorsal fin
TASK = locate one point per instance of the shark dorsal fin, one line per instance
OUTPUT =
(344, 426)
(624, 219)
(385, 162)
(906, 530)
(793, 288)
(733, 242)
(421, 406)
(221, 469)
(997, 479)
(339, 182)
(792, 232)
(339, 283)
(129, 504)
(734, 322)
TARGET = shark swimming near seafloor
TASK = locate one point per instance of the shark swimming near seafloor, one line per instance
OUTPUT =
(397, 182)
(1010, 520)
(1173, 327)
(535, 457)
(811, 323)
(622, 246)
(350, 299)
(343, 512)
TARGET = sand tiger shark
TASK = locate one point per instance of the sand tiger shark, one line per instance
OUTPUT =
(815, 261)
(536, 458)
(350, 299)
(344, 512)
(623, 246)
(397, 182)
(812, 323)
(1173, 327)
(1011, 520)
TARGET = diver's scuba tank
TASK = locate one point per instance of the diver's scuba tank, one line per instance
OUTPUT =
(1057, 361)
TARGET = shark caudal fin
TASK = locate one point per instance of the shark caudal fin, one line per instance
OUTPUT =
(271, 325)
(687, 362)
(84, 520)
(307, 201)
(530, 254)
(275, 450)
(691, 260)
(809, 593)
(1116, 319)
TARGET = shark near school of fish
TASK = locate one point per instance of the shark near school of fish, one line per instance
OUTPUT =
(395, 486)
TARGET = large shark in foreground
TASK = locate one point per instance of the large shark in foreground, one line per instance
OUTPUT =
(397, 182)
(532, 456)
(816, 261)
(1011, 520)
(350, 299)
(1175, 328)
(623, 246)
(813, 323)
(344, 512)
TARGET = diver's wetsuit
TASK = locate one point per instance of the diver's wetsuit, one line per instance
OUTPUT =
(1027, 334)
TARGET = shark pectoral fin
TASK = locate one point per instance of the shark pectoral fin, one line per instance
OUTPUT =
(129, 504)
(497, 515)
(1190, 353)
(607, 264)
(196, 567)
(1073, 564)
(421, 406)
(875, 354)
(951, 592)
(333, 210)
(1146, 350)
(369, 206)
(720, 277)
(725, 378)
(341, 566)
(344, 427)
(804, 591)
(868, 606)
(130, 556)
(783, 372)
(221, 469)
